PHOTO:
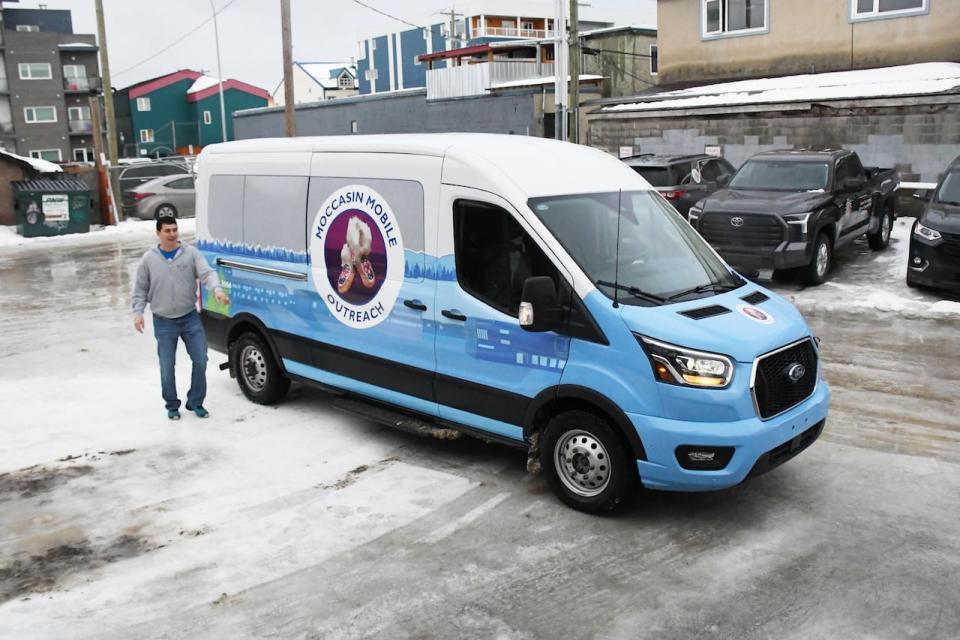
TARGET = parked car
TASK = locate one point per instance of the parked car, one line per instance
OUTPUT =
(935, 242)
(790, 210)
(683, 180)
(169, 196)
(139, 173)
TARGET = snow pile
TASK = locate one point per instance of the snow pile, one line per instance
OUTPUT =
(98, 233)
(43, 166)
(911, 79)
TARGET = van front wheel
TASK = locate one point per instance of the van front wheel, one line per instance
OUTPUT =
(258, 375)
(585, 463)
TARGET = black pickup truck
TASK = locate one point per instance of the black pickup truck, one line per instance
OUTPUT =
(789, 211)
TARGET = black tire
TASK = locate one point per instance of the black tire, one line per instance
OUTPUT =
(256, 371)
(911, 283)
(585, 462)
(881, 239)
(164, 209)
(818, 270)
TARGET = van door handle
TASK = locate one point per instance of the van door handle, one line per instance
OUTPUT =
(415, 304)
(453, 314)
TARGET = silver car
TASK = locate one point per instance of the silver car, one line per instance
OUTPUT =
(167, 196)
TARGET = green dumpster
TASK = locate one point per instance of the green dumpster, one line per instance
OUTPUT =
(51, 207)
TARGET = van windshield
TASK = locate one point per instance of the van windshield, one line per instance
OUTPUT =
(782, 175)
(661, 258)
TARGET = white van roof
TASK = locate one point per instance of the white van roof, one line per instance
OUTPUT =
(534, 166)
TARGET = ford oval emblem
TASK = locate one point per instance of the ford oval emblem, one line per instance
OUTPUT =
(796, 371)
(736, 221)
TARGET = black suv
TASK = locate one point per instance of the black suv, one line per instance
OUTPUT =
(683, 180)
(935, 242)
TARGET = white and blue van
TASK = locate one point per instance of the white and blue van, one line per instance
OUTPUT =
(524, 290)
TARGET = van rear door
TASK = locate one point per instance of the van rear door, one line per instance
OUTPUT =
(488, 368)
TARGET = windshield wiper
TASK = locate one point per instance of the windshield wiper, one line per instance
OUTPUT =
(710, 286)
(634, 291)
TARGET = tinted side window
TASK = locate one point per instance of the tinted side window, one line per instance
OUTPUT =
(840, 173)
(495, 256)
(225, 208)
(656, 176)
(854, 168)
(181, 183)
(138, 172)
(710, 171)
(167, 170)
(275, 211)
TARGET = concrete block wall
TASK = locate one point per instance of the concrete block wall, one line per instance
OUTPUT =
(919, 139)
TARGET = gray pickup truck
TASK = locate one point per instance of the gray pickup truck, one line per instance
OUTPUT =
(790, 210)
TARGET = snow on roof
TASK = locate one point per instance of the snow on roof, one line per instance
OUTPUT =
(911, 79)
(326, 73)
(203, 82)
(536, 82)
(43, 166)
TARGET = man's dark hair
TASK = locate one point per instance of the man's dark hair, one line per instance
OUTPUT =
(162, 220)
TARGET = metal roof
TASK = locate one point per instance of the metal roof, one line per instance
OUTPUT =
(50, 186)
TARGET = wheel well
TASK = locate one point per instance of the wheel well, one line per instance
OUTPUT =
(831, 230)
(249, 326)
(561, 404)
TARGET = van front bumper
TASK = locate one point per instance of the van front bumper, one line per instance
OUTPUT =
(758, 445)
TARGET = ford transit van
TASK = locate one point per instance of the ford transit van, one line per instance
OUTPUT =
(524, 290)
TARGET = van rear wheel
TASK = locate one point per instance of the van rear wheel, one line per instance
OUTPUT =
(585, 463)
(256, 371)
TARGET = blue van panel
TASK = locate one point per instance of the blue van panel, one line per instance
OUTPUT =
(750, 438)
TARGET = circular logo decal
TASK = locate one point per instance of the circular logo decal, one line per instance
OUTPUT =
(356, 256)
(796, 371)
(755, 314)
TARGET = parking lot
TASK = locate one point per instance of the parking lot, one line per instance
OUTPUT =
(298, 521)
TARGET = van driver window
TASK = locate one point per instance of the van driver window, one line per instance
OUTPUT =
(494, 255)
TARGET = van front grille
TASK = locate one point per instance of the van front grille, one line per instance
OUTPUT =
(775, 389)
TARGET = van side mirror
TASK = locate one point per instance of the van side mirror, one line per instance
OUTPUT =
(539, 308)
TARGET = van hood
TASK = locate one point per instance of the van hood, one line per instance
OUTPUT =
(783, 202)
(733, 333)
(942, 217)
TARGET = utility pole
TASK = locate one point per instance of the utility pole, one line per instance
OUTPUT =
(289, 112)
(452, 33)
(574, 104)
(107, 91)
(560, 55)
(216, 35)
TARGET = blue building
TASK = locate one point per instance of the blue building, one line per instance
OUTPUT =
(387, 61)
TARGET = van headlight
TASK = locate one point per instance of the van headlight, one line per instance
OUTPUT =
(673, 364)
(926, 232)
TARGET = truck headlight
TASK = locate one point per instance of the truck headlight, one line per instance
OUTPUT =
(799, 221)
(673, 364)
(926, 232)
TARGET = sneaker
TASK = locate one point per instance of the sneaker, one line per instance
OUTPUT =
(173, 414)
(199, 410)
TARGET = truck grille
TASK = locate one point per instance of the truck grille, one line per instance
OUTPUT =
(756, 232)
(774, 390)
(951, 246)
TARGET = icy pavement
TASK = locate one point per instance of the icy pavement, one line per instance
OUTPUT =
(300, 522)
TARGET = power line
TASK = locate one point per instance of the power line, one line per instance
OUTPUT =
(384, 13)
(175, 42)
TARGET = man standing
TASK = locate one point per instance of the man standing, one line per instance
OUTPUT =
(167, 279)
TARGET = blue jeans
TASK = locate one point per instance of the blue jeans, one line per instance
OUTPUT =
(168, 331)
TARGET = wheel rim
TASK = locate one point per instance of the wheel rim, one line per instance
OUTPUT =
(253, 368)
(166, 211)
(885, 229)
(582, 463)
(823, 258)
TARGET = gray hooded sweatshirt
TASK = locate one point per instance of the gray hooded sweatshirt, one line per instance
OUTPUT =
(170, 286)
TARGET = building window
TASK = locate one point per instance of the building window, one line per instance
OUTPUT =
(143, 104)
(865, 9)
(39, 114)
(74, 71)
(28, 27)
(207, 117)
(370, 74)
(345, 81)
(35, 70)
(353, 126)
(654, 62)
(83, 155)
(146, 135)
(53, 155)
(720, 17)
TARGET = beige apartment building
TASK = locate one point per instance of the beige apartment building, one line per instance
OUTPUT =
(711, 40)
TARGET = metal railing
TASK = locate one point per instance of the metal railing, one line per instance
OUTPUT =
(80, 84)
(80, 126)
(475, 79)
(513, 32)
